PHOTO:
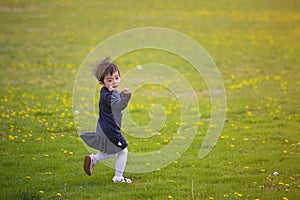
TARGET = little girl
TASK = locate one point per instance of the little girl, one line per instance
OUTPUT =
(108, 138)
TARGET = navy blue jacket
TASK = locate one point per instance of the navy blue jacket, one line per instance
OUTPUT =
(111, 105)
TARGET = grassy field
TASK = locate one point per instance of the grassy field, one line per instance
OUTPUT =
(255, 45)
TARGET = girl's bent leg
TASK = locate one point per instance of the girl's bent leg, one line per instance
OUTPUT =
(102, 156)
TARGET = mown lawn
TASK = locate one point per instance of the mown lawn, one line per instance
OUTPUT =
(255, 45)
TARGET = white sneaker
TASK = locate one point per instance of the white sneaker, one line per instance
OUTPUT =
(121, 180)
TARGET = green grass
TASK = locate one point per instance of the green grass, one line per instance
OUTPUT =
(255, 45)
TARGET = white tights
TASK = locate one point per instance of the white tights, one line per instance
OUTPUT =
(120, 161)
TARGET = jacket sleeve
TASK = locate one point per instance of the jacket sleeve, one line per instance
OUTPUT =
(118, 101)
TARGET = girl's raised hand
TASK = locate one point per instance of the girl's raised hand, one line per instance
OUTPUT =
(126, 91)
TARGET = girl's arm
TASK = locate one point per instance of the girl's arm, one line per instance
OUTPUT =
(120, 101)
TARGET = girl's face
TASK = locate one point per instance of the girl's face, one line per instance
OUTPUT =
(112, 81)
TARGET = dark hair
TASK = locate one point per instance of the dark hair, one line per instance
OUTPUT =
(104, 68)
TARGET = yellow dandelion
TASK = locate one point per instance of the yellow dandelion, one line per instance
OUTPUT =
(200, 123)
(28, 177)
(236, 193)
(58, 194)
(277, 78)
(11, 137)
(170, 197)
